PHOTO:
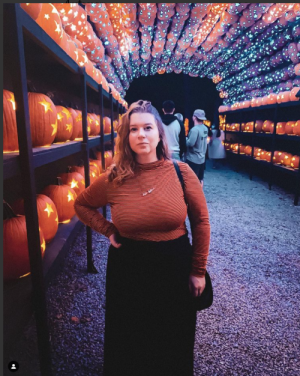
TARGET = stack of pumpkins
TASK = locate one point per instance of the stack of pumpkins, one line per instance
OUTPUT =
(54, 205)
(48, 123)
(266, 126)
(282, 97)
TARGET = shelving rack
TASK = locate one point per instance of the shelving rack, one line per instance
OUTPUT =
(276, 113)
(31, 56)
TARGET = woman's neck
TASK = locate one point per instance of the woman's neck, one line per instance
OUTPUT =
(144, 159)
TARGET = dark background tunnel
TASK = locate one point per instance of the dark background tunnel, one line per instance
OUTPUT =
(188, 93)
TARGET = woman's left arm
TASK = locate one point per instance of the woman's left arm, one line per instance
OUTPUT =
(199, 219)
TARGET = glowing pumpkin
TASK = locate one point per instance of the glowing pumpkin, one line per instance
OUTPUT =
(74, 180)
(97, 163)
(242, 149)
(77, 123)
(296, 128)
(280, 128)
(106, 125)
(10, 132)
(257, 152)
(43, 119)
(63, 197)
(107, 157)
(248, 150)
(283, 96)
(287, 159)
(258, 126)
(91, 124)
(268, 156)
(289, 127)
(64, 124)
(293, 93)
(49, 20)
(15, 246)
(47, 214)
(249, 126)
(272, 98)
(278, 156)
(295, 161)
(267, 126)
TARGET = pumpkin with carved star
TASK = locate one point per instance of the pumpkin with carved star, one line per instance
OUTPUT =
(43, 119)
(10, 133)
(64, 124)
(73, 179)
(47, 214)
(15, 245)
(91, 123)
(97, 123)
(107, 157)
(49, 20)
(77, 123)
(106, 124)
(63, 197)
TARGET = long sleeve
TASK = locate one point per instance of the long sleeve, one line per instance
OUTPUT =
(87, 203)
(199, 219)
(192, 138)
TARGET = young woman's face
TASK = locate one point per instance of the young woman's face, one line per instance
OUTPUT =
(143, 135)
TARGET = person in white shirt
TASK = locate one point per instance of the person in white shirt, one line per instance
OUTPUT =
(174, 131)
(197, 144)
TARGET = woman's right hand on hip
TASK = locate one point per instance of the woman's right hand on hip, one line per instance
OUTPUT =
(113, 241)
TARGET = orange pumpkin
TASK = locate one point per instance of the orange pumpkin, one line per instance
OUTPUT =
(272, 98)
(96, 163)
(79, 128)
(289, 127)
(97, 123)
(278, 156)
(242, 149)
(249, 126)
(293, 93)
(63, 197)
(107, 157)
(264, 101)
(295, 161)
(248, 150)
(268, 155)
(268, 126)
(287, 159)
(258, 126)
(74, 180)
(106, 125)
(32, 9)
(257, 152)
(77, 124)
(280, 128)
(94, 171)
(243, 127)
(283, 96)
(47, 214)
(64, 124)
(296, 128)
(15, 246)
(49, 20)
(235, 127)
(263, 155)
(43, 119)
(91, 122)
(10, 132)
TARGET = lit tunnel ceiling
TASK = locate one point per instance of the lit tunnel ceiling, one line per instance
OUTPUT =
(248, 49)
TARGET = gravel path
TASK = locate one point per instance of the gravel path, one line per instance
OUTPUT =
(253, 326)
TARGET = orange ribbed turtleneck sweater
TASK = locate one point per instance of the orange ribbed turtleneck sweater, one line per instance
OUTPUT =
(156, 216)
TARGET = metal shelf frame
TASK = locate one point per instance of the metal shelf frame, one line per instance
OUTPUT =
(20, 27)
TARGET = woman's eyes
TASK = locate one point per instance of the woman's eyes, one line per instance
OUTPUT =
(146, 128)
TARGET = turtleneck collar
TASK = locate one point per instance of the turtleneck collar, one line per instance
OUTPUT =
(150, 166)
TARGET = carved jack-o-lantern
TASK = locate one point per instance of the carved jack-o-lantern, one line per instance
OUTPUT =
(257, 153)
(77, 123)
(267, 126)
(63, 197)
(106, 125)
(74, 180)
(47, 214)
(295, 161)
(43, 119)
(15, 247)
(278, 156)
(258, 126)
(91, 123)
(289, 127)
(280, 128)
(249, 126)
(49, 20)
(296, 128)
(287, 159)
(10, 133)
(33, 9)
(107, 157)
(64, 124)
(248, 150)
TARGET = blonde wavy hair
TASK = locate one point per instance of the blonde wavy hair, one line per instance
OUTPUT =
(124, 159)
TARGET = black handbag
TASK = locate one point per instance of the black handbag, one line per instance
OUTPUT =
(205, 300)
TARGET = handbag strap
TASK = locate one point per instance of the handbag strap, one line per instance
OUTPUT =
(179, 174)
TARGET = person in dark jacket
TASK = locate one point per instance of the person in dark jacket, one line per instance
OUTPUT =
(174, 131)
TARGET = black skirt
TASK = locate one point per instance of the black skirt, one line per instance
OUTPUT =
(149, 320)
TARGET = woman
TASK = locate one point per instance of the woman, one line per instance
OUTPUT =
(216, 148)
(152, 270)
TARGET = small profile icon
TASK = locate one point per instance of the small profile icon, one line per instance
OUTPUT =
(13, 366)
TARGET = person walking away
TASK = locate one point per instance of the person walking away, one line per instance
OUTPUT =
(174, 131)
(153, 271)
(197, 144)
(216, 149)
